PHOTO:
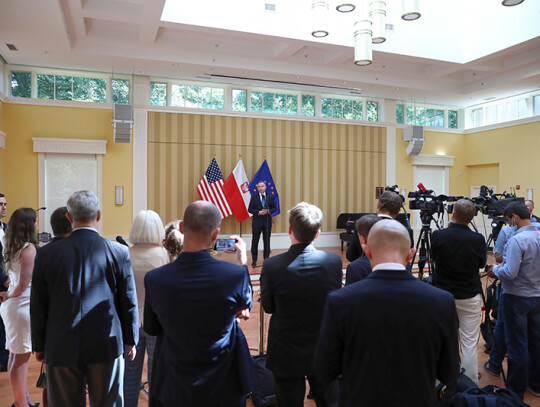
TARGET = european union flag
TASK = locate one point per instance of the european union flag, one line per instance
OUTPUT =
(264, 175)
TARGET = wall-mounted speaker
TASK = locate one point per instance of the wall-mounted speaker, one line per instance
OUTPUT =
(415, 136)
(122, 122)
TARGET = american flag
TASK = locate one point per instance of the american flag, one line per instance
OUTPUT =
(211, 188)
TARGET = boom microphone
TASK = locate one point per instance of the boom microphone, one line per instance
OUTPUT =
(41, 209)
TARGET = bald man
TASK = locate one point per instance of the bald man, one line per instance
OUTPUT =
(389, 335)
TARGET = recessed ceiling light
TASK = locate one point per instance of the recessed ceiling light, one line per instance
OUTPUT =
(175, 64)
(511, 2)
(142, 72)
(245, 72)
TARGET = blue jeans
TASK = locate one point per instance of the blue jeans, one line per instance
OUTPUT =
(522, 329)
(498, 350)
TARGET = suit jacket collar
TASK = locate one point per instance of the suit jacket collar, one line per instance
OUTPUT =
(190, 256)
(458, 226)
(83, 231)
(301, 247)
(391, 275)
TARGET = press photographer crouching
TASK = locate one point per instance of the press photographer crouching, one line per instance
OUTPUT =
(458, 254)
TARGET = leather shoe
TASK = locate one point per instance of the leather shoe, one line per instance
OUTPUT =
(254, 264)
(492, 369)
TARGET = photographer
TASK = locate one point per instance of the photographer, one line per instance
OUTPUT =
(459, 253)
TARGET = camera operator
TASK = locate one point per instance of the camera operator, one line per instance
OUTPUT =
(387, 208)
(459, 253)
(520, 275)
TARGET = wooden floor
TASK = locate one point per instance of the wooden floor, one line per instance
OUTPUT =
(251, 330)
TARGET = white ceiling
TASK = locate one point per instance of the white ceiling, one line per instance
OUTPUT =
(459, 53)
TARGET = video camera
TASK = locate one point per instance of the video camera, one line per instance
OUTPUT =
(395, 189)
(426, 201)
(492, 204)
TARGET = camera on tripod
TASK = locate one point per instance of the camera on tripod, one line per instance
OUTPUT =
(426, 201)
(492, 204)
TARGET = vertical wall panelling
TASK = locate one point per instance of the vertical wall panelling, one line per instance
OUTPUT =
(335, 166)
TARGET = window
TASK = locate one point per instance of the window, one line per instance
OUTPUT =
(21, 84)
(63, 87)
(308, 105)
(256, 102)
(120, 91)
(399, 114)
(372, 111)
(197, 96)
(342, 108)
(536, 103)
(274, 103)
(239, 97)
(158, 94)
(452, 119)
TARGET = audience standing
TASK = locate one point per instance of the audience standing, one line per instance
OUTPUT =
(458, 254)
(294, 286)
(174, 240)
(147, 253)
(360, 268)
(390, 335)
(192, 305)
(520, 275)
(20, 251)
(4, 284)
(84, 310)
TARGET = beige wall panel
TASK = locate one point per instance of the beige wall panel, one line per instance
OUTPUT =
(335, 166)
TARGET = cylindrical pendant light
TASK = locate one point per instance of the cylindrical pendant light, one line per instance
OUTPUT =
(511, 2)
(320, 11)
(363, 53)
(377, 15)
(411, 10)
(345, 6)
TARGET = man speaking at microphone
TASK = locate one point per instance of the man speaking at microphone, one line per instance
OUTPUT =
(261, 206)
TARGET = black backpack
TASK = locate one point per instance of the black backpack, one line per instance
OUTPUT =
(264, 394)
(489, 396)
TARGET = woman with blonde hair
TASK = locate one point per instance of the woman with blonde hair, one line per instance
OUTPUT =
(19, 253)
(146, 254)
(174, 240)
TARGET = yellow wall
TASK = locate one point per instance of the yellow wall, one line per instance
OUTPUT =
(24, 122)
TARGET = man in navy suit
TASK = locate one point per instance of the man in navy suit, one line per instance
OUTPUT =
(261, 206)
(294, 286)
(390, 335)
(83, 310)
(192, 305)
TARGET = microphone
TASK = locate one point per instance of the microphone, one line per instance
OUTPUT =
(121, 240)
(41, 209)
(422, 188)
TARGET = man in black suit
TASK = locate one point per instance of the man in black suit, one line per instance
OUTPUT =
(389, 335)
(4, 284)
(360, 268)
(192, 305)
(458, 254)
(294, 286)
(261, 206)
(83, 310)
(60, 224)
(388, 207)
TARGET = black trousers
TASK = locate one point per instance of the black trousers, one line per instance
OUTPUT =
(266, 229)
(290, 391)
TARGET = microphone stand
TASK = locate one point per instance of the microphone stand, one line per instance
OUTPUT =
(267, 224)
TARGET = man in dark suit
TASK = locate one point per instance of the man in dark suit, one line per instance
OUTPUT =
(193, 305)
(261, 206)
(60, 224)
(294, 286)
(389, 335)
(388, 207)
(83, 310)
(4, 284)
(361, 267)
(458, 254)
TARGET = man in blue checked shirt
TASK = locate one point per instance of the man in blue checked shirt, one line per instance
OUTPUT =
(520, 275)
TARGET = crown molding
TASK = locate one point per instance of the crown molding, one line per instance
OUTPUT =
(69, 146)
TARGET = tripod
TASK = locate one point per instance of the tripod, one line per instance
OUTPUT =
(495, 231)
(423, 246)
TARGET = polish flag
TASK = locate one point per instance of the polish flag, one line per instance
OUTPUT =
(236, 189)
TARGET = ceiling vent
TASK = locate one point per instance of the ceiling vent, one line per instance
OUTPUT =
(269, 7)
(11, 47)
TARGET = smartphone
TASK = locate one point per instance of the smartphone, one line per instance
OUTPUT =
(225, 244)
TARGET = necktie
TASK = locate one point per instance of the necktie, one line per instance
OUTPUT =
(263, 202)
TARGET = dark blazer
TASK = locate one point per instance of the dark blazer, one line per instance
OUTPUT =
(255, 206)
(458, 253)
(191, 306)
(294, 286)
(357, 270)
(390, 336)
(3, 277)
(83, 304)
